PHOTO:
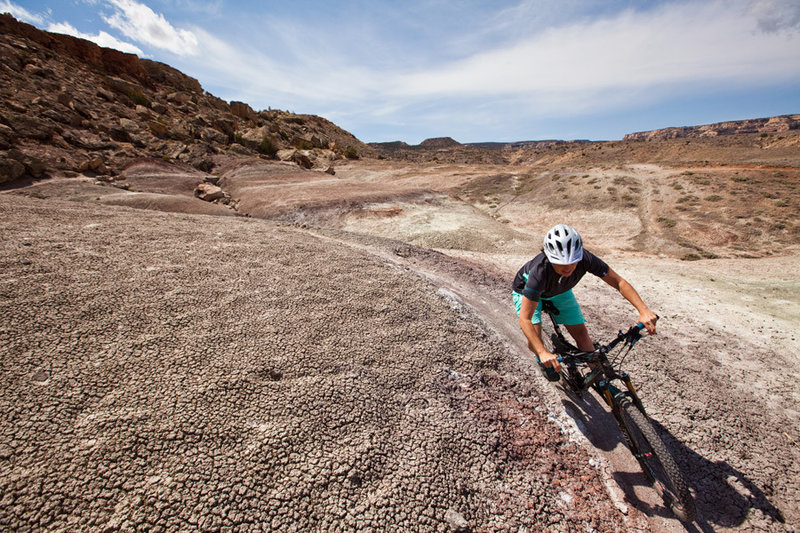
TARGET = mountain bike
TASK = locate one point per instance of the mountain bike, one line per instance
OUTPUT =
(600, 369)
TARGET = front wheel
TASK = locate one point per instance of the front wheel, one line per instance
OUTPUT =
(656, 461)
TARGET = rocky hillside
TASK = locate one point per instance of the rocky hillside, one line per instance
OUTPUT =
(758, 125)
(69, 106)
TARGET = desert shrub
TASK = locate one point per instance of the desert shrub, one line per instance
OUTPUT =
(691, 257)
(667, 222)
(739, 179)
(703, 181)
(781, 203)
(303, 144)
(238, 139)
(713, 198)
(267, 147)
(138, 98)
(764, 135)
(687, 173)
(350, 152)
(677, 186)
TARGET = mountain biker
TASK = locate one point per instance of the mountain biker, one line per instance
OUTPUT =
(550, 276)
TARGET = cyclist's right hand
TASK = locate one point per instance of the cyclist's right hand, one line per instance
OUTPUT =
(550, 360)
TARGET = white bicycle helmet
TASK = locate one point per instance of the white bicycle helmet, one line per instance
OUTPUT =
(563, 245)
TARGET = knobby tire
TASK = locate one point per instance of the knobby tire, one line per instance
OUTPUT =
(656, 462)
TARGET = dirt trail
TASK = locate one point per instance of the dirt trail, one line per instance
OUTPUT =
(585, 420)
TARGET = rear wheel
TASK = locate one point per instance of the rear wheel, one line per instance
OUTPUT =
(656, 461)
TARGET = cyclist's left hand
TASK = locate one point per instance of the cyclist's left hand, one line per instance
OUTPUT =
(648, 318)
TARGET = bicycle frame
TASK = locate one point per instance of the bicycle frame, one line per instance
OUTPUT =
(603, 373)
(637, 430)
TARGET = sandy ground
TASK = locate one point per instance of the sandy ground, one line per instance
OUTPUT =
(304, 376)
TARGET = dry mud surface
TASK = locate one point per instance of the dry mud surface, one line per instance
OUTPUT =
(172, 372)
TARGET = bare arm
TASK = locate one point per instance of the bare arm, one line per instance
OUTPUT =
(534, 334)
(646, 316)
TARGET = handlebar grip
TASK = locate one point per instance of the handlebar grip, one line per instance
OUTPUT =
(560, 359)
(641, 326)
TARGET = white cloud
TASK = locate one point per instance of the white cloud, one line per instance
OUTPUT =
(20, 13)
(776, 15)
(562, 67)
(102, 38)
(140, 23)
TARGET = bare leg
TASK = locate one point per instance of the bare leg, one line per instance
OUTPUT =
(581, 336)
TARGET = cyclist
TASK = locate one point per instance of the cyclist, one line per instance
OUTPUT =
(550, 276)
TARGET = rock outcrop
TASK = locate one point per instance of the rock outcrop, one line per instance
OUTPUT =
(70, 107)
(757, 125)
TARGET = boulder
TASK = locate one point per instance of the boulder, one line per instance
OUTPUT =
(143, 113)
(209, 192)
(253, 137)
(7, 137)
(179, 97)
(10, 169)
(211, 135)
(28, 126)
(33, 165)
(120, 86)
(242, 110)
(131, 126)
(159, 129)
(286, 155)
(94, 163)
(301, 157)
(87, 140)
(238, 149)
(224, 124)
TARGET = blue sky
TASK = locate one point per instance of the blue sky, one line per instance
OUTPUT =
(474, 70)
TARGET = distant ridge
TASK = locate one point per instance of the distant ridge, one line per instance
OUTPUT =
(775, 124)
(439, 142)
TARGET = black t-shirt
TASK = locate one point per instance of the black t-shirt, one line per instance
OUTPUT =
(537, 279)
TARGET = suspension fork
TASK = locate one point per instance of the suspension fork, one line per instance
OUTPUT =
(626, 379)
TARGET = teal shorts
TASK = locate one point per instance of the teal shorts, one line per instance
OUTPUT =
(569, 310)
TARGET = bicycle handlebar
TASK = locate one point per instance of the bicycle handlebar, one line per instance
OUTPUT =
(637, 328)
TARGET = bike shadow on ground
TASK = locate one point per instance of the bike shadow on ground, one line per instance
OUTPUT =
(724, 496)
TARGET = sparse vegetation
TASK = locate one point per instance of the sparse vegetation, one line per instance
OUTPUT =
(267, 147)
(667, 222)
(351, 152)
(138, 98)
(713, 198)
